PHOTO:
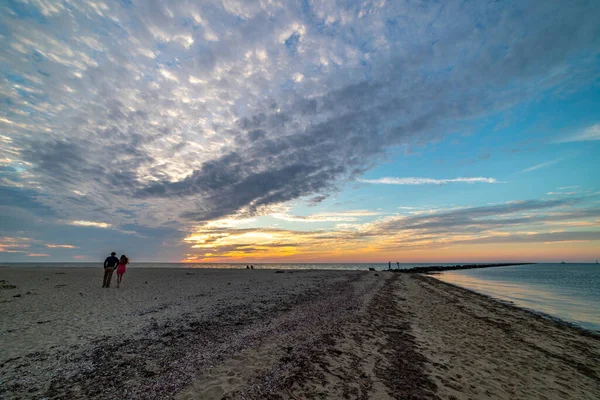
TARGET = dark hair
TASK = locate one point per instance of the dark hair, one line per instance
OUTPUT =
(124, 259)
(113, 254)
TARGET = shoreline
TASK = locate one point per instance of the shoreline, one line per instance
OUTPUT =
(509, 351)
(222, 333)
(534, 313)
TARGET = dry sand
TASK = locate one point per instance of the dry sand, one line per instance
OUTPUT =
(257, 334)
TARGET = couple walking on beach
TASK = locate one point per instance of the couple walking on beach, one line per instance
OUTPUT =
(111, 264)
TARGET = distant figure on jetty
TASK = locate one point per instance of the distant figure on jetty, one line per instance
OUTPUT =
(398, 264)
(252, 267)
(121, 269)
(389, 265)
(109, 266)
(247, 267)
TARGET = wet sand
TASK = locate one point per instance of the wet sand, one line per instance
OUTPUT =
(258, 334)
(481, 348)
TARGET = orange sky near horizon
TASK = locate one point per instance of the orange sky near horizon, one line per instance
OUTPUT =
(581, 251)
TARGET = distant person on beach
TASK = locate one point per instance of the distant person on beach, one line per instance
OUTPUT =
(123, 261)
(389, 265)
(252, 267)
(398, 264)
(109, 266)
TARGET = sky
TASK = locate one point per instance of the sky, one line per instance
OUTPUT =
(300, 131)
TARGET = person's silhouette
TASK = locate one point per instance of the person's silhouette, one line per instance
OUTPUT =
(109, 266)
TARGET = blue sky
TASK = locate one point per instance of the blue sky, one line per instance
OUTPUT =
(299, 131)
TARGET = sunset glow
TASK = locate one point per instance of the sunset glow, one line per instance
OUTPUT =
(417, 236)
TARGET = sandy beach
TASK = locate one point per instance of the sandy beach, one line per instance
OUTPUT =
(260, 334)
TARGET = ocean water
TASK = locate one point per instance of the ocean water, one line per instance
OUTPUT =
(570, 292)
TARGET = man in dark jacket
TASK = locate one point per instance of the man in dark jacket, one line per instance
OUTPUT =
(109, 266)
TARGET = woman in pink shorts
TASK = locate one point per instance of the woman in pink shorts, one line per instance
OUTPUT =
(123, 261)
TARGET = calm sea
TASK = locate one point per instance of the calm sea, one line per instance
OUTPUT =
(570, 292)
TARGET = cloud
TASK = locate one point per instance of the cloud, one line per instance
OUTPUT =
(549, 237)
(183, 112)
(479, 218)
(568, 187)
(561, 193)
(434, 228)
(15, 244)
(60, 246)
(341, 216)
(38, 255)
(317, 200)
(542, 165)
(91, 223)
(426, 181)
(588, 134)
(25, 198)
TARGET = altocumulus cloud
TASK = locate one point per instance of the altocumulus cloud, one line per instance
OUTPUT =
(162, 112)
